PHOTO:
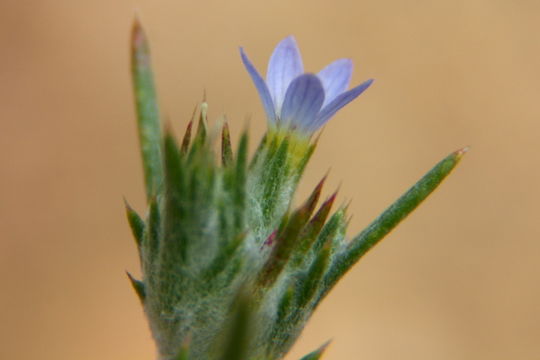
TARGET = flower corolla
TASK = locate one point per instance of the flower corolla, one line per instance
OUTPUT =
(297, 100)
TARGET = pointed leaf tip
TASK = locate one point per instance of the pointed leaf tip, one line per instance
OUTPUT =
(320, 185)
(310, 203)
(314, 227)
(320, 217)
(331, 199)
(136, 29)
(136, 223)
(317, 354)
(148, 119)
(461, 152)
(394, 214)
(139, 43)
(138, 286)
(200, 136)
(204, 96)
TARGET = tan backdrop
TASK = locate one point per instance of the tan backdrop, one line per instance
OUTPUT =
(458, 279)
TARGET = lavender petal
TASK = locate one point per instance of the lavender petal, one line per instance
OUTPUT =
(261, 86)
(285, 65)
(303, 101)
(340, 101)
(335, 78)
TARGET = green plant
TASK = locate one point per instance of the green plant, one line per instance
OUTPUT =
(231, 269)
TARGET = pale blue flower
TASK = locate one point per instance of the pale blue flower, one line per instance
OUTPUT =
(299, 100)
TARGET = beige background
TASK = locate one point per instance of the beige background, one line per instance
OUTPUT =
(458, 279)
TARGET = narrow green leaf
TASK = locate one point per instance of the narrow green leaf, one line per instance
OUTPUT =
(174, 176)
(273, 176)
(286, 315)
(241, 159)
(148, 120)
(316, 355)
(393, 215)
(286, 304)
(313, 278)
(331, 229)
(138, 286)
(153, 231)
(136, 224)
(200, 143)
(202, 126)
(175, 189)
(151, 242)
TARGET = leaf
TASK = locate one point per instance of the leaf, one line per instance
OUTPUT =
(175, 189)
(393, 215)
(199, 141)
(286, 304)
(275, 169)
(148, 119)
(331, 230)
(138, 286)
(313, 278)
(153, 231)
(136, 224)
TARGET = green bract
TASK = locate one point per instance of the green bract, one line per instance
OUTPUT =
(230, 269)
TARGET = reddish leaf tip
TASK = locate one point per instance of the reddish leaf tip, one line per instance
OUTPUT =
(314, 197)
(459, 153)
(138, 35)
(330, 201)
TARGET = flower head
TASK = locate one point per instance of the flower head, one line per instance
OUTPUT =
(298, 100)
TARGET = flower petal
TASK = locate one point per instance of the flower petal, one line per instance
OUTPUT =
(285, 65)
(303, 101)
(335, 78)
(340, 101)
(262, 89)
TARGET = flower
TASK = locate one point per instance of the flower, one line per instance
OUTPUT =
(299, 100)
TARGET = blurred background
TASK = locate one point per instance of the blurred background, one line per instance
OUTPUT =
(457, 280)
